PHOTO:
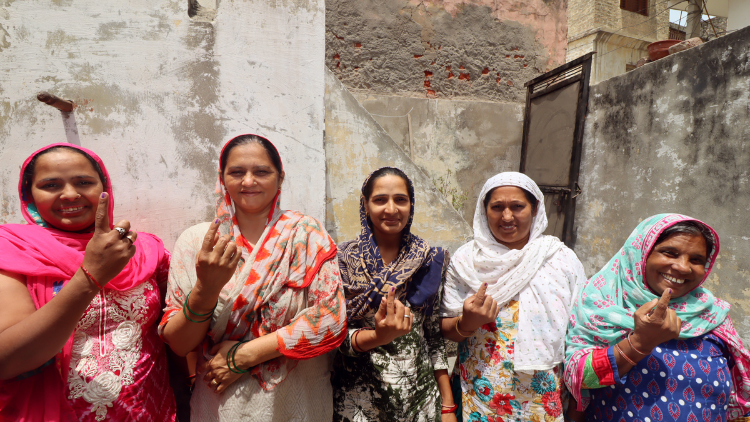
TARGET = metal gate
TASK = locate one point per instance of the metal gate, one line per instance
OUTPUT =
(556, 104)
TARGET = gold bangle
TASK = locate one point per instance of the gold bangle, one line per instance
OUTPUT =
(459, 331)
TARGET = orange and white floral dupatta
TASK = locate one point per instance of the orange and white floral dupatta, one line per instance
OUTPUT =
(276, 289)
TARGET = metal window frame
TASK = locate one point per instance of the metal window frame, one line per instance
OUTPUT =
(558, 78)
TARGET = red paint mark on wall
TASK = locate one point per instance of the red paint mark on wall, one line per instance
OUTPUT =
(498, 81)
(464, 77)
(450, 75)
(448, 68)
(358, 44)
(461, 67)
(510, 83)
(486, 71)
(336, 56)
(517, 56)
(431, 93)
(416, 56)
(426, 84)
(427, 74)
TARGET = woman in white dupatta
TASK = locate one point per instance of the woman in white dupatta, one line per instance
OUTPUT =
(507, 299)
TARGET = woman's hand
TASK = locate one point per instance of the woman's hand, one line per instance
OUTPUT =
(654, 326)
(108, 252)
(392, 320)
(218, 376)
(479, 309)
(217, 259)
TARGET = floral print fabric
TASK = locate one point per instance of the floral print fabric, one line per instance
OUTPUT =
(492, 391)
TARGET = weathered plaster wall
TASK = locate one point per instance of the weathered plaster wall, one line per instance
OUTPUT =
(463, 142)
(672, 136)
(159, 93)
(480, 49)
(355, 146)
(613, 53)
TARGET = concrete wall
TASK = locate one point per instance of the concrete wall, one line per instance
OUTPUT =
(739, 14)
(481, 49)
(618, 36)
(586, 16)
(672, 136)
(159, 93)
(613, 53)
(356, 145)
(458, 144)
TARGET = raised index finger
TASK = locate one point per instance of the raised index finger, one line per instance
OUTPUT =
(662, 306)
(209, 240)
(391, 302)
(101, 223)
(481, 293)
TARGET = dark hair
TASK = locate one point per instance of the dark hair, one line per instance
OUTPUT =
(529, 197)
(249, 139)
(28, 172)
(385, 171)
(689, 227)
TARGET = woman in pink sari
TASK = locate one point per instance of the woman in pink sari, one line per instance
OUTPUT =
(79, 301)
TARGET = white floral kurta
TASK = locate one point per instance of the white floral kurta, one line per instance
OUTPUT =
(491, 390)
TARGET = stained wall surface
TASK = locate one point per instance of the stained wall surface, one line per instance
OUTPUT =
(356, 145)
(158, 94)
(481, 49)
(458, 144)
(672, 136)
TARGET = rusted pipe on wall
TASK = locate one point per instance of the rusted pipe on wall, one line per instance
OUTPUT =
(56, 102)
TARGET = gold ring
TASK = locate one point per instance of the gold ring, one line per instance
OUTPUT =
(129, 239)
(214, 383)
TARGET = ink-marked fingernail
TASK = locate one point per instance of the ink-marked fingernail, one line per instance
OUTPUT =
(216, 221)
(104, 194)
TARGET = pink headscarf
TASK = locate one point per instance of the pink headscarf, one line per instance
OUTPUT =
(49, 257)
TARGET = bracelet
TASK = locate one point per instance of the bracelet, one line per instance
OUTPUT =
(187, 305)
(191, 319)
(355, 345)
(90, 277)
(459, 331)
(633, 347)
(624, 356)
(449, 409)
(231, 359)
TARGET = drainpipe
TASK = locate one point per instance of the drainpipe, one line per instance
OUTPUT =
(693, 19)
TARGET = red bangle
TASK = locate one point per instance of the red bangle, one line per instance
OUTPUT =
(355, 346)
(451, 409)
(90, 277)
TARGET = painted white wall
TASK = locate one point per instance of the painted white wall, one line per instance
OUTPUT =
(738, 14)
(159, 94)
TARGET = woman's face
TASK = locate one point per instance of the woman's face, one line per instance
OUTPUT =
(251, 178)
(510, 215)
(677, 263)
(389, 205)
(65, 189)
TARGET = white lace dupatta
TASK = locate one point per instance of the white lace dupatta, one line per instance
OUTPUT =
(527, 273)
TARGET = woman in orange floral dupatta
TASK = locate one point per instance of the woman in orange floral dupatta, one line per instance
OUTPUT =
(258, 290)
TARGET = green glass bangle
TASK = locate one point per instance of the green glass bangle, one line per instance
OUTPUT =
(191, 319)
(187, 298)
(231, 354)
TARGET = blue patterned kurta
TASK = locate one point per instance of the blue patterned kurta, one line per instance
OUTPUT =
(683, 380)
